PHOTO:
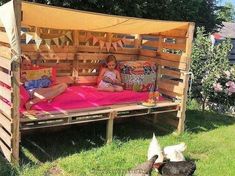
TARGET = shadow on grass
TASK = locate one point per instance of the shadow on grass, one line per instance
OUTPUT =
(50, 145)
(198, 121)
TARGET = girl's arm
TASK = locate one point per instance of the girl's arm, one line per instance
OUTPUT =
(118, 75)
(101, 75)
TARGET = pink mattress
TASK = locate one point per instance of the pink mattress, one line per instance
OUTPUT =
(76, 97)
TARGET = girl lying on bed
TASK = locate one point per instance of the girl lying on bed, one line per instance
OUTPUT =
(41, 89)
(109, 78)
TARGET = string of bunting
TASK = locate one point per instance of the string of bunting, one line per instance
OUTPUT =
(107, 44)
(63, 39)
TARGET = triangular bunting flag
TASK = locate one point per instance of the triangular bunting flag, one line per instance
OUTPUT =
(48, 43)
(56, 40)
(88, 36)
(38, 41)
(114, 44)
(95, 40)
(108, 45)
(119, 42)
(62, 39)
(22, 33)
(101, 44)
(69, 35)
(124, 40)
(28, 38)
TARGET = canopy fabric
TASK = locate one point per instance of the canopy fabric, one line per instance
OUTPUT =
(61, 18)
(8, 21)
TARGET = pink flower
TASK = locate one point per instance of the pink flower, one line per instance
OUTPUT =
(230, 83)
(217, 87)
(231, 89)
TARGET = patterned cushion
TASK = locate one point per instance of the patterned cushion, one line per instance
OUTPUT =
(138, 75)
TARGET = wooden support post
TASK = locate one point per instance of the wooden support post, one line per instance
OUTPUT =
(188, 51)
(138, 41)
(16, 90)
(109, 128)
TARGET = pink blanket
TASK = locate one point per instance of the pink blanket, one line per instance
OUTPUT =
(76, 97)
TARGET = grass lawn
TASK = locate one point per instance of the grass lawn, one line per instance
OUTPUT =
(81, 150)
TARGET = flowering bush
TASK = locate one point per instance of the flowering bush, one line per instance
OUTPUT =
(210, 66)
(223, 89)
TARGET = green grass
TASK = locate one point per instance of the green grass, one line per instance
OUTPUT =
(81, 150)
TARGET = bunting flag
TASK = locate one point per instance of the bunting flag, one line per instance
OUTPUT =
(56, 41)
(62, 39)
(48, 43)
(22, 33)
(114, 44)
(69, 35)
(101, 44)
(95, 40)
(28, 38)
(119, 42)
(88, 36)
(108, 45)
(38, 41)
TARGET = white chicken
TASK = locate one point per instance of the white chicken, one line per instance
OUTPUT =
(174, 152)
(155, 149)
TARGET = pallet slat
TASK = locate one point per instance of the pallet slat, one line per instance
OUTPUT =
(5, 137)
(171, 87)
(6, 93)
(5, 109)
(5, 63)
(57, 56)
(6, 123)
(5, 78)
(5, 52)
(172, 73)
(174, 57)
(6, 152)
(3, 37)
(174, 46)
(178, 65)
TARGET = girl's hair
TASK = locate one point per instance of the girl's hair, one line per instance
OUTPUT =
(111, 58)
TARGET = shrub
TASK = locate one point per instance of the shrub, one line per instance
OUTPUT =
(208, 64)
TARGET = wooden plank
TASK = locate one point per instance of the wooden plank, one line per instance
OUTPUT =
(96, 49)
(58, 66)
(102, 56)
(5, 52)
(173, 82)
(150, 43)
(171, 87)
(57, 56)
(175, 33)
(5, 109)
(176, 46)
(6, 123)
(5, 78)
(89, 66)
(172, 73)
(43, 48)
(88, 74)
(4, 37)
(16, 91)
(174, 57)
(178, 65)
(109, 128)
(5, 137)
(6, 93)
(150, 53)
(6, 152)
(170, 93)
(5, 63)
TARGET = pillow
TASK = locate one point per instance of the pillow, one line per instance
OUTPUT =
(138, 75)
(24, 96)
(36, 73)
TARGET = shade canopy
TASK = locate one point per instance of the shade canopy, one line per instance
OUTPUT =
(61, 18)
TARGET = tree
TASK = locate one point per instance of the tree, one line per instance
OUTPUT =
(227, 13)
(202, 12)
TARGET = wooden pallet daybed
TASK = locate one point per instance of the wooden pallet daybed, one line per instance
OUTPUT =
(77, 60)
